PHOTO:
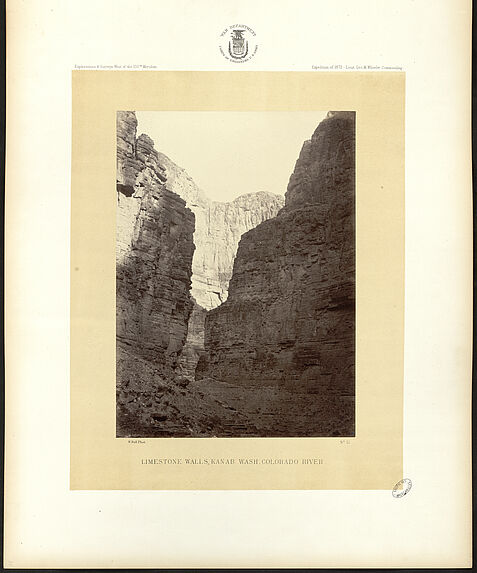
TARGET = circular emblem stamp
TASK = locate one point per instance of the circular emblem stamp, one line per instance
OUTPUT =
(402, 487)
(238, 43)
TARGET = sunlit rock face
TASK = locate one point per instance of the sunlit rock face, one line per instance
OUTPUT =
(218, 228)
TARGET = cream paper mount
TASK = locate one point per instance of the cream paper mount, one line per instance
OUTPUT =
(373, 459)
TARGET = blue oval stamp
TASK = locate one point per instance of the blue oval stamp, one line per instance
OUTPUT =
(402, 487)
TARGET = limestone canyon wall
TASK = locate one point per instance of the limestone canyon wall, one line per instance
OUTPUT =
(153, 269)
(289, 321)
(218, 228)
(174, 255)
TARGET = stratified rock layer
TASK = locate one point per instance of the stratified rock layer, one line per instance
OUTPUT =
(153, 274)
(160, 327)
(289, 321)
(218, 228)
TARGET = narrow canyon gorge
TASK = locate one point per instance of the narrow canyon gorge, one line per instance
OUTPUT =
(238, 318)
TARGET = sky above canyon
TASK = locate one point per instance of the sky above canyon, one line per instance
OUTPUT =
(232, 153)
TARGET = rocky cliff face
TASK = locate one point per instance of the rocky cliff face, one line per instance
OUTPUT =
(161, 213)
(218, 228)
(287, 327)
(153, 272)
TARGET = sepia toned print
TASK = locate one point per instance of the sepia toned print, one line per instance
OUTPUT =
(236, 319)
